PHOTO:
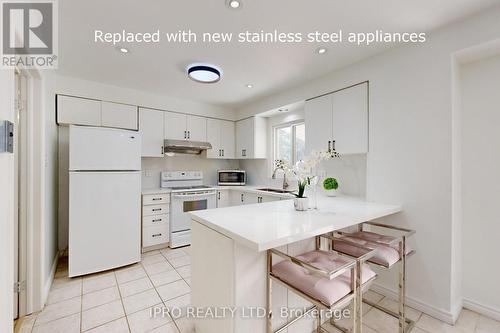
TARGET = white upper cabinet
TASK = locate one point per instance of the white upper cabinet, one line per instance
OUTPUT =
(175, 126)
(119, 115)
(227, 138)
(180, 126)
(220, 133)
(318, 119)
(151, 128)
(251, 134)
(341, 117)
(350, 120)
(90, 112)
(214, 137)
(196, 128)
(78, 111)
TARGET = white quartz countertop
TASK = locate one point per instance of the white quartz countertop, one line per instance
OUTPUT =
(246, 188)
(268, 225)
(155, 190)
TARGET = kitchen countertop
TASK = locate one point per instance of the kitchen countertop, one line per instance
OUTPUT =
(277, 223)
(246, 188)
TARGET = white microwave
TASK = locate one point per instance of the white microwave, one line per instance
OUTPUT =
(232, 177)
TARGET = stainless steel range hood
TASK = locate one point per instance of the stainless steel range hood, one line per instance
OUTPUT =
(185, 147)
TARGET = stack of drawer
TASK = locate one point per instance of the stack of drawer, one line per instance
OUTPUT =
(155, 219)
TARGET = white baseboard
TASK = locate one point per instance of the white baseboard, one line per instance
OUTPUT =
(430, 310)
(482, 309)
(50, 280)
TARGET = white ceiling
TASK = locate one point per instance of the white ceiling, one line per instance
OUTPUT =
(160, 68)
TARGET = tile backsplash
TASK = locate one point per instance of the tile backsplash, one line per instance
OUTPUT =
(151, 167)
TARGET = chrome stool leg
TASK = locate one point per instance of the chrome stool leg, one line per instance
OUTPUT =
(269, 314)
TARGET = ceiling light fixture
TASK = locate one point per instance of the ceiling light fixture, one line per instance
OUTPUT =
(249, 86)
(204, 73)
(321, 50)
(234, 4)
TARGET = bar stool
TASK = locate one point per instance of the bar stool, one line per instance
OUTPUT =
(390, 251)
(326, 279)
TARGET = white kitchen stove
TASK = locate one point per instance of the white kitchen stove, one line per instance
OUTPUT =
(188, 194)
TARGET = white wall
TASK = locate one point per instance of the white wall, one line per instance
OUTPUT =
(6, 208)
(480, 85)
(350, 170)
(78, 87)
(410, 158)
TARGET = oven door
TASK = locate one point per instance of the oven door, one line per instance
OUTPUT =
(183, 203)
(232, 178)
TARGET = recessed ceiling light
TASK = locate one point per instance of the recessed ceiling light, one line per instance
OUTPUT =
(204, 73)
(321, 50)
(123, 50)
(249, 86)
(234, 4)
(282, 110)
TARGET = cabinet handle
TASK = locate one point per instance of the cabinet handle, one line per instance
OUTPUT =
(218, 196)
(156, 209)
(242, 198)
(189, 134)
(333, 145)
(156, 220)
(329, 146)
(162, 151)
(222, 152)
(155, 235)
(155, 199)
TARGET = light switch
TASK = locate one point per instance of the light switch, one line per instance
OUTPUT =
(6, 137)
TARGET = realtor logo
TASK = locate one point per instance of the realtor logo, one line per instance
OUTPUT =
(29, 36)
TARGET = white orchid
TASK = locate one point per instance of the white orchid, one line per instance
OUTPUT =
(303, 169)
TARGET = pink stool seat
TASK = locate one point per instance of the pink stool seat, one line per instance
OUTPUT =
(386, 255)
(325, 290)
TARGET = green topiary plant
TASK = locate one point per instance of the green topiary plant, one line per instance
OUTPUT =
(330, 184)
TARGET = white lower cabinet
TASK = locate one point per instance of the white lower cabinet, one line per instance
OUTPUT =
(238, 198)
(155, 219)
(223, 198)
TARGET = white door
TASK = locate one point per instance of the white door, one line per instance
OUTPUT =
(350, 120)
(151, 129)
(227, 139)
(214, 137)
(183, 203)
(269, 198)
(222, 198)
(94, 148)
(119, 115)
(251, 198)
(318, 119)
(175, 126)
(197, 128)
(104, 220)
(78, 111)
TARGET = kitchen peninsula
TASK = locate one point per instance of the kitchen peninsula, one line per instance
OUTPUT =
(229, 247)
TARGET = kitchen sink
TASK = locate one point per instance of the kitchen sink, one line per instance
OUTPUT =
(274, 190)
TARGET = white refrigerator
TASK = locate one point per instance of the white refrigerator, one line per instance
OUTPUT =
(104, 199)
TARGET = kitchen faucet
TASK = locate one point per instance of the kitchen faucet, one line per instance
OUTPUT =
(285, 183)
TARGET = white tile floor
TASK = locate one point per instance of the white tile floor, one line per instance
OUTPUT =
(121, 300)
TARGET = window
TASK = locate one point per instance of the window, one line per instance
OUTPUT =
(289, 142)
